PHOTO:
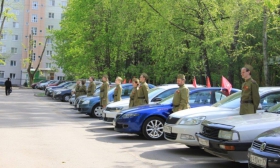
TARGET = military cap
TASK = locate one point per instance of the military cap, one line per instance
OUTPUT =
(145, 75)
(106, 76)
(249, 67)
(135, 80)
(181, 76)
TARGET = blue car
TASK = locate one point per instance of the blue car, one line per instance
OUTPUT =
(148, 120)
(91, 105)
(50, 89)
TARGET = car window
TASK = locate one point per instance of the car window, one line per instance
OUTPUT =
(232, 101)
(166, 93)
(154, 91)
(270, 100)
(202, 97)
(127, 90)
(167, 100)
(275, 108)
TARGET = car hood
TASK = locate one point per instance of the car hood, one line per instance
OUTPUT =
(271, 137)
(249, 120)
(198, 111)
(122, 103)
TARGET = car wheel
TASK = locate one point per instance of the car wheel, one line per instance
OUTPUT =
(153, 128)
(66, 98)
(96, 111)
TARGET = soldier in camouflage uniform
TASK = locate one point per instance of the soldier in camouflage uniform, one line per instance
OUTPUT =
(104, 91)
(78, 83)
(133, 95)
(82, 89)
(181, 96)
(91, 87)
(250, 97)
(118, 89)
(143, 90)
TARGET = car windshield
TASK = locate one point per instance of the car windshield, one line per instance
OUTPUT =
(154, 91)
(232, 101)
(167, 100)
(61, 84)
(274, 109)
(97, 92)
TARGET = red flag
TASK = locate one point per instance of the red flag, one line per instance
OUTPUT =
(124, 81)
(225, 84)
(208, 84)
(130, 81)
(194, 82)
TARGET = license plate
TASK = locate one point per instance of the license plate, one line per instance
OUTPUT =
(203, 142)
(167, 129)
(114, 122)
(256, 160)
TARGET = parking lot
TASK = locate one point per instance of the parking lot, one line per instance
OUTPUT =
(40, 132)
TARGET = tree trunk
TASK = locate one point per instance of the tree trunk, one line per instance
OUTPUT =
(265, 56)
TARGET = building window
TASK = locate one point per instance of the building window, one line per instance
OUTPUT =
(49, 53)
(12, 75)
(52, 2)
(51, 15)
(34, 43)
(2, 61)
(34, 5)
(49, 41)
(3, 36)
(60, 77)
(63, 3)
(34, 30)
(13, 50)
(13, 63)
(15, 37)
(3, 49)
(50, 27)
(48, 65)
(15, 25)
(34, 18)
(16, 11)
(2, 74)
(34, 57)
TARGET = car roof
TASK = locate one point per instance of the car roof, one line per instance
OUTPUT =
(187, 85)
(268, 89)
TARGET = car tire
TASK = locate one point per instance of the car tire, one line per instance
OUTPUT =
(65, 98)
(152, 128)
(96, 111)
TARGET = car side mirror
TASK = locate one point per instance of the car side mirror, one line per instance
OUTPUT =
(156, 99)
(260, 107)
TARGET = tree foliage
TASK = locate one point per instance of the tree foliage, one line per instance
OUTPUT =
(163, 38)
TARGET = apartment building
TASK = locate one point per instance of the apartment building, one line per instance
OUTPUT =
(36, 18)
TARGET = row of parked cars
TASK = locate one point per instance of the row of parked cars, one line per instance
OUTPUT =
(213, 123)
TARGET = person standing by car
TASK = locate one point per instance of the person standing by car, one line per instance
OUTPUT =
(77, 94)
(82, 88)
(133, 95)
(250, 97)
(118, 89)
(104, 91)
(91, 87)
(143, 90)
(8, 86)
(181, 96)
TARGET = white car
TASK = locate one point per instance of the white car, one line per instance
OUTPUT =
(231, 137)
(155, 96)
(182, 126)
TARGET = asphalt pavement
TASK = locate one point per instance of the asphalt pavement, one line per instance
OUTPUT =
(38, 132)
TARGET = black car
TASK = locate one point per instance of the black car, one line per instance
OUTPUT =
(265, 150)
(50, 89)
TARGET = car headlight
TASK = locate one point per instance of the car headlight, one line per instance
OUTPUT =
(228, 135)
(130, 115)
(58, 93)
(86, 102)
(192, 121)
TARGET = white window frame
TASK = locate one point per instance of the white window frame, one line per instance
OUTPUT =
(49, 41)
(13, 63)
(2, 74)
(15, 25)
(34, 43)
(35, 5)
(12, 76)
(15, 37)
(34, 30)
(34, 18)
(63, 3)
(51, 15)
(4, 36)
(34, 57)
(48, 65)
(16, 11)
(14, 50)
(52, 2)
(50, 27)
(3, 49)
(49, 52)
